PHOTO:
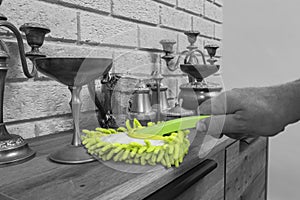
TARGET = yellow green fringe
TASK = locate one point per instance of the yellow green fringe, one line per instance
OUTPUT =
(171, 153)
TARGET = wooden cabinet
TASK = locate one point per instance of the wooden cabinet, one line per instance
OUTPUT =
(233, 170)
(204, 181)
(240, 174)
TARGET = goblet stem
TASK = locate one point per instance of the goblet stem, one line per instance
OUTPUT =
(75, 104)
(73, 153)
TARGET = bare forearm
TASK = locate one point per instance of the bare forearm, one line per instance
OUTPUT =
(289, 94)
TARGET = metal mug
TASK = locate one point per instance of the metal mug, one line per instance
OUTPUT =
(140, 102)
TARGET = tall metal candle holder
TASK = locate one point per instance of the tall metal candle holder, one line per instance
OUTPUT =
(189, 61)
(13, 148)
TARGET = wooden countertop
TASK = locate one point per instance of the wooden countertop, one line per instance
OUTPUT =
(40, 178)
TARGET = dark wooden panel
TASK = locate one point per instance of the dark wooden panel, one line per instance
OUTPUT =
(256, 190)
(243, 164)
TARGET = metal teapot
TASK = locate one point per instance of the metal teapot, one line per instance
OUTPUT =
(140, 104)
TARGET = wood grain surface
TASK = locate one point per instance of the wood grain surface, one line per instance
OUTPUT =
(40, 178)
(245, 167)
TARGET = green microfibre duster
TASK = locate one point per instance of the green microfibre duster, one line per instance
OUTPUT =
(116, 145)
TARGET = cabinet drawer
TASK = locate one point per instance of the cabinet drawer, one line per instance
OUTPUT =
(245, 162)
(202, 182)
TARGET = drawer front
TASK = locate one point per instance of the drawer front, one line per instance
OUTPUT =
(178, 188)
(246, 164)
(211, 187)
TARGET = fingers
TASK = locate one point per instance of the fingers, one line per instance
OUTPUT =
(222, 124)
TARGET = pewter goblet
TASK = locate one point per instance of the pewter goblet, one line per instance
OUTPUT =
(74, 73)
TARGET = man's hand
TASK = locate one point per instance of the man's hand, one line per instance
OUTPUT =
(244, 112)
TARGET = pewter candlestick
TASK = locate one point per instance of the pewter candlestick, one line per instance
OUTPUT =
(13, 148)
(197, 90)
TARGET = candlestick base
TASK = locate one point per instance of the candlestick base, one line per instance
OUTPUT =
(14, 150)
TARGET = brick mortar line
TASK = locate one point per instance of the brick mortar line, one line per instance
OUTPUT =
(75, 6)
(94, 44)
(217, 39)
(159, 15)
(165, 3)
(9, 36)
(213, 2)
(22, 121)
(128, 19)
(111, 7)
(212, 20)
(173, 29)
(78, 26)
(21, 80)
(73, 43)
(189, 12)
(182, 31)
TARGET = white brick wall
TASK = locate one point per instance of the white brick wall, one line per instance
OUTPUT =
(145, 11)
(176, 19)
(205, 26)
(61, 20)
(212, 11)
(194, 6)
(128, 31)
(103, 29)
